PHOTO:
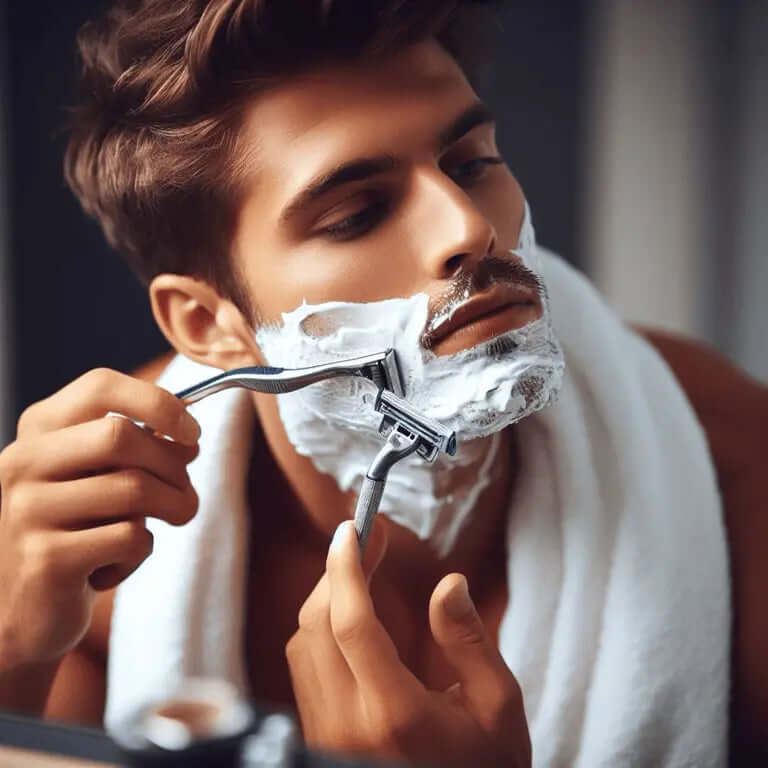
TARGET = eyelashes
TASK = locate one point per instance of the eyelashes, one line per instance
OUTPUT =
(473, 170)
(358, 223)
(364, 220)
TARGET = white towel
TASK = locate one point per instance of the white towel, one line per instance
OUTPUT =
(618, 620)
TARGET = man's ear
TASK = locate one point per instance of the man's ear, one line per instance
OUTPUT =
(202, 325)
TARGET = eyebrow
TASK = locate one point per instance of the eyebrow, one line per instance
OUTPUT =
(477, 114)
(367, 167)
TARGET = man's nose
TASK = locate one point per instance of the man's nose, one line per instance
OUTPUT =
(455, 231)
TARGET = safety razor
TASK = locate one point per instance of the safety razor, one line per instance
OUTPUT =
(380, 368)
(406, 431)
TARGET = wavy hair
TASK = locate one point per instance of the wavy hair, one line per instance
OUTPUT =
(153, 147)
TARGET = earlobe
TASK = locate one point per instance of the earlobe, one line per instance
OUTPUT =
(200, 324)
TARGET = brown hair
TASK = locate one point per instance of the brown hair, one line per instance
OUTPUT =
(153, 149)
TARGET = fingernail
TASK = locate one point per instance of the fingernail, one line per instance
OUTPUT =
(190, 429)
(339, 535)
(458, 604)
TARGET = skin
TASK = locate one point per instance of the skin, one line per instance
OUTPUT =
(60, 541)
(445, 209)
(436, 224)
(410, 663)
(733, 411)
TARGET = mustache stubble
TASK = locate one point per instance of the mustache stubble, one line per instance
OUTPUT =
(489, 272)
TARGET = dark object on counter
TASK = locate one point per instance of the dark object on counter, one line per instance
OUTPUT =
(202, 723)
(38, 736)
(192, 734)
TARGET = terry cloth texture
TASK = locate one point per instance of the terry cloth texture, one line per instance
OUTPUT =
(618, 620)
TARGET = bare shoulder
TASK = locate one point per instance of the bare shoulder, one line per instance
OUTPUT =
(79, 688)
(733, 409)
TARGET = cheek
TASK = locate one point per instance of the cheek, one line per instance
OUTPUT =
(321, 273)
(373, 268)
(382, 265)
(279, 274)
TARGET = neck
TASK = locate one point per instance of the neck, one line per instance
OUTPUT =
(311, 504)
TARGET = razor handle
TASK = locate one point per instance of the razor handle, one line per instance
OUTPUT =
(400, 443)
(367, 506)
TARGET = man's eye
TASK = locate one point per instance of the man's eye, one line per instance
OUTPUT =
(358, 223)
(473, 170)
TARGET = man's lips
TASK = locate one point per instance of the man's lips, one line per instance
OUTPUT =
(503, 307)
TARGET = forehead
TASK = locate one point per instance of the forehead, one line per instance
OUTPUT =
(365, 107)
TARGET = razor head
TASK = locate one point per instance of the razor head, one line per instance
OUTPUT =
(391, 373)
(399, 415)
(382, 370)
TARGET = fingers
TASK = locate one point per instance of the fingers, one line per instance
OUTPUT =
(102, 445)
(109, 576)
(335, 668)
(454, 694)
(127, 494)
(314, 658)
(125, 544)
(118, 548)
(313, 653)
(361, 638)
(102, 390)
(488, 687)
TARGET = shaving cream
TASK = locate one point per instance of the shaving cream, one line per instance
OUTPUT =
(477, 392)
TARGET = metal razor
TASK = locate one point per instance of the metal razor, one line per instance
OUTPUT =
(407, 431)
(379, 368)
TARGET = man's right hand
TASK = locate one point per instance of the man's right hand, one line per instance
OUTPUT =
(76, 488)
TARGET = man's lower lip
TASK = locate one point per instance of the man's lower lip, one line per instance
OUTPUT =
(487, 326)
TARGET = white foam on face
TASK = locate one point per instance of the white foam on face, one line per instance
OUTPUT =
(477, 392)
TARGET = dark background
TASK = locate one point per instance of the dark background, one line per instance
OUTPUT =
(77, 306)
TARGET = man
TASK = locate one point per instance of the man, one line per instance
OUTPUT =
(204, 125)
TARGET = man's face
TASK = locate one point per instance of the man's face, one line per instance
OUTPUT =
(374, 181)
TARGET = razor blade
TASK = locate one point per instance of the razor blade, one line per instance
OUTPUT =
(400, 415)
(407, 431)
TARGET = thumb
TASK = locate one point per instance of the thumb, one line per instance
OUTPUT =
(490, 691)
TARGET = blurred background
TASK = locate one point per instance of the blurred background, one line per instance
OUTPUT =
(639, 131)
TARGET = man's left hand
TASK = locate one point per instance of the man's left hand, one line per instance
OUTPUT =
(355, 696)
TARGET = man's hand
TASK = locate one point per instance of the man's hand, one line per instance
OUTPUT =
(355, 696)
(76, 488)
